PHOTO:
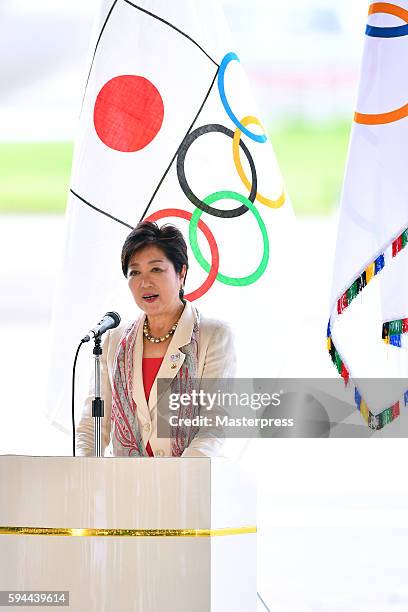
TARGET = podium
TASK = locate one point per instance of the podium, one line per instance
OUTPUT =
(129, 534)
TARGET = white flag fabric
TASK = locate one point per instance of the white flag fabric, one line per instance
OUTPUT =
(366, 335)
(169, 131)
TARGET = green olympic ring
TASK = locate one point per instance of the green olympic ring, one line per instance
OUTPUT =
(229, 280)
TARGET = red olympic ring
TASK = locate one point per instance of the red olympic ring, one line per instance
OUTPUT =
(183, 214)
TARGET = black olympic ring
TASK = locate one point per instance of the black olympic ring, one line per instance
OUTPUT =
(188, 141)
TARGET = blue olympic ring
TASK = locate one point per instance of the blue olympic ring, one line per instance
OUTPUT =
(387, 32)
(221, 88)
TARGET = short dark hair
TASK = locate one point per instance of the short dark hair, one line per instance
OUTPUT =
(168, 238)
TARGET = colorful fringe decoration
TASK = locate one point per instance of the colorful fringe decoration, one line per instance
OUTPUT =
(393, 330)
(391, 333)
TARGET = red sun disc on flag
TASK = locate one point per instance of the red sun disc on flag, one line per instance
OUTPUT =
(128, 113)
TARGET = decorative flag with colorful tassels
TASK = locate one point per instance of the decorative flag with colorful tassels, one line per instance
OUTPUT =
(369, 314)
(169, 131)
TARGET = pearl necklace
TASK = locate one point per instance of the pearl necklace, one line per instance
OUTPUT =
(148, 335)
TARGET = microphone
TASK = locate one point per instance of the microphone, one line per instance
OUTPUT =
(109, 321)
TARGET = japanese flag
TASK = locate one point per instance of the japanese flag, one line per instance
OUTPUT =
(169, 131)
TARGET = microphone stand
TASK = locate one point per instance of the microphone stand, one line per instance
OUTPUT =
(97, 403)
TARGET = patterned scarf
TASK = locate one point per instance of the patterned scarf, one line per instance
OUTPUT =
(126, 437)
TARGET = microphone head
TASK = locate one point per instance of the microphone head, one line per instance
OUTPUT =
(115, 317)
(109, 321)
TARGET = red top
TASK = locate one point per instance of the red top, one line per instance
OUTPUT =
(150, 368)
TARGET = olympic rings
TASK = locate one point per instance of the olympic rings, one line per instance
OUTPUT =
(389, 9)
(230, 280)
(379, 32)
(205, 205)
(221, 88)
(216, 212)
(213, 269)
(237, 160)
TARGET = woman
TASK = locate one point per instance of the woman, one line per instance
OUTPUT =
(171, 340)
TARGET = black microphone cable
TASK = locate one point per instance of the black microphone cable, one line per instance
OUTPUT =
(262, 601)
(73, 396)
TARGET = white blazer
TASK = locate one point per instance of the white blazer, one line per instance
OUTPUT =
(216, 359)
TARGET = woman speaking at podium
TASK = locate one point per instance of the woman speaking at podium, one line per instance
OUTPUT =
(170, 340)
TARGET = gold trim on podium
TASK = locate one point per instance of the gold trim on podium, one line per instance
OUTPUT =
(127, 533)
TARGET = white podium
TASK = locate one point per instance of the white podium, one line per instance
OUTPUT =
(121, 535)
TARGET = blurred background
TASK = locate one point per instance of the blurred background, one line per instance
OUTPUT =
(332, 513)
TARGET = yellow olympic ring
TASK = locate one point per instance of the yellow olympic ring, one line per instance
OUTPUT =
(237, 160)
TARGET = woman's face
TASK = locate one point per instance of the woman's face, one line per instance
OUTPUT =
(153, 281)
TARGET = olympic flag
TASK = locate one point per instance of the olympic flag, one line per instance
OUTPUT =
(169, 132)
(365, 336)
